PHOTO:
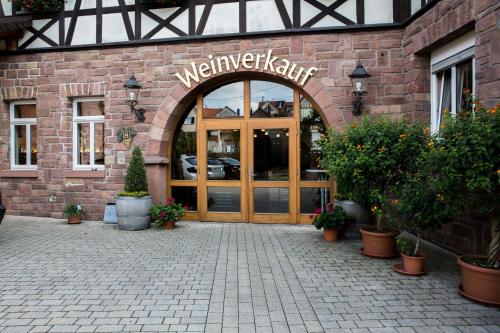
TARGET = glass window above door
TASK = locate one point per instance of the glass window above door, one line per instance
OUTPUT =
(270, 100)
(225, 102)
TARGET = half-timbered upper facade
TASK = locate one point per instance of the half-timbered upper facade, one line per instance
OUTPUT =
(96, 22)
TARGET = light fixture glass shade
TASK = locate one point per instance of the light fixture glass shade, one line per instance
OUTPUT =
(359, 79)
(132, 88)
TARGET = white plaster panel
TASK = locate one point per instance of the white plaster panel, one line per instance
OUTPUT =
(378, 11)
(348, 10)
(113, 27)
(328, 21)
(307, 12)
(7, 7)
(263, 16)
(218, 22)
(85, 30)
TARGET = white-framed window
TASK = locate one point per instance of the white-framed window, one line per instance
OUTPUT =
(452, 73)
(23, 135)
(88, 133)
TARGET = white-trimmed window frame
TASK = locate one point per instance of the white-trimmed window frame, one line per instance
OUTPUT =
(91, 120)
(28, 122)
(451, 55)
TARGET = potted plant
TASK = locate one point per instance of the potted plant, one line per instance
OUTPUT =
(468, 153)
(40, 5)
(168, 214)
(332, 221)
(369, 160)
(74, 213)
(361, 216)
(134, 203)
(420, 207)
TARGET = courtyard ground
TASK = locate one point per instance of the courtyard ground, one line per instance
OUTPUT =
(218, 277)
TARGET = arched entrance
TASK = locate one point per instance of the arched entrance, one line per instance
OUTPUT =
(246, 151)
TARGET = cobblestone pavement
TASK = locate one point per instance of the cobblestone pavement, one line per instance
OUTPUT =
(213, 277)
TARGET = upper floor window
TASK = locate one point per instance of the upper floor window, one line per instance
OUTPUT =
(88, 134)
(23, 142)
(452, 75)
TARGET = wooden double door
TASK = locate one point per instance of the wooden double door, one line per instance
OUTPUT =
(251, 172)
(248, 151)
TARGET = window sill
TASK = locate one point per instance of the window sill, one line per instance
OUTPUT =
(19, 174)
(84, 174)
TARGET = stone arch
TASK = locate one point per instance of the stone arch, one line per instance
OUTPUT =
(180, 98)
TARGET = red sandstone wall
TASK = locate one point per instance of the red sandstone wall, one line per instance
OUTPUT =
(444, 22)
(103, 72)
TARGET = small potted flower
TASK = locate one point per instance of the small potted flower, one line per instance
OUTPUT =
(74, 213)
(167, 214)
(332, 221)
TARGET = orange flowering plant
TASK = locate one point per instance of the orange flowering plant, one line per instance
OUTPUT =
(370, 160)
(467, 157)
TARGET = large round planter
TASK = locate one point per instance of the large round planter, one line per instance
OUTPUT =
(480, 284)
(330, 235)
(2, 212)
(133, 213)
(378, 244)
(413, 265)
(360, 214)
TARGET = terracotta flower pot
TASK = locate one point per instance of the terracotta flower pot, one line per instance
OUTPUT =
(480, 284)
(413, 265)
(330, 235)
(169, 225)
(75, 219)
(378, 244)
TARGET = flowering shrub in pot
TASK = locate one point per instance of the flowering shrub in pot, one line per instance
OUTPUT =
(167, 214)
(134, 203)
(368, 161)
(74, 213)
(332, 221)
(467, 151)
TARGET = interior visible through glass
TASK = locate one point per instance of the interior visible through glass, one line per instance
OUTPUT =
(84, 144)
(270, 154)
(90, 108)
(312, 198)
(34, 148)
(20, 144)
(99, 143)
(223, 154)
(270, 99)
(187, 196)
(25, 111)
(271, 200)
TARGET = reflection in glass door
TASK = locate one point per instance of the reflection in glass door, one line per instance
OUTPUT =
(271, 159)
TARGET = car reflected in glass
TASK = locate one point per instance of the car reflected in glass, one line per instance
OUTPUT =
(231, 168)
(215, 168)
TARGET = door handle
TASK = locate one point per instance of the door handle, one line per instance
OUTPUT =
(250, 175)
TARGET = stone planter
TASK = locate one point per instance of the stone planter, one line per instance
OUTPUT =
(360, 215)
(480, 284)
(133, 213)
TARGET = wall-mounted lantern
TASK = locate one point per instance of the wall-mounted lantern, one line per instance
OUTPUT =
(359, 80)
(132, 88)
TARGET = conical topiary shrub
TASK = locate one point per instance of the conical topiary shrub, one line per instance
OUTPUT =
(133, 204)
(136, 180)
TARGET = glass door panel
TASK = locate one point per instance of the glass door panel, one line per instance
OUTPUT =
(270, 177)
(222, 195)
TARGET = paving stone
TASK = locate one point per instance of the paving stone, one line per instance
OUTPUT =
(218, 278)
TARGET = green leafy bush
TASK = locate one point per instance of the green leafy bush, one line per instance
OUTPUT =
(74, 210)
(467, 154)
(405, 245)
(136, 182)
(369, 160)
(41, 5)
(171, 211)
(333, 218)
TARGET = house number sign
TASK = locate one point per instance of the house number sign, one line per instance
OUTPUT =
(265, 62)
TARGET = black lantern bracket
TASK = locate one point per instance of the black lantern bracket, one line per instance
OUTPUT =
(133, 87)
(359, 80)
